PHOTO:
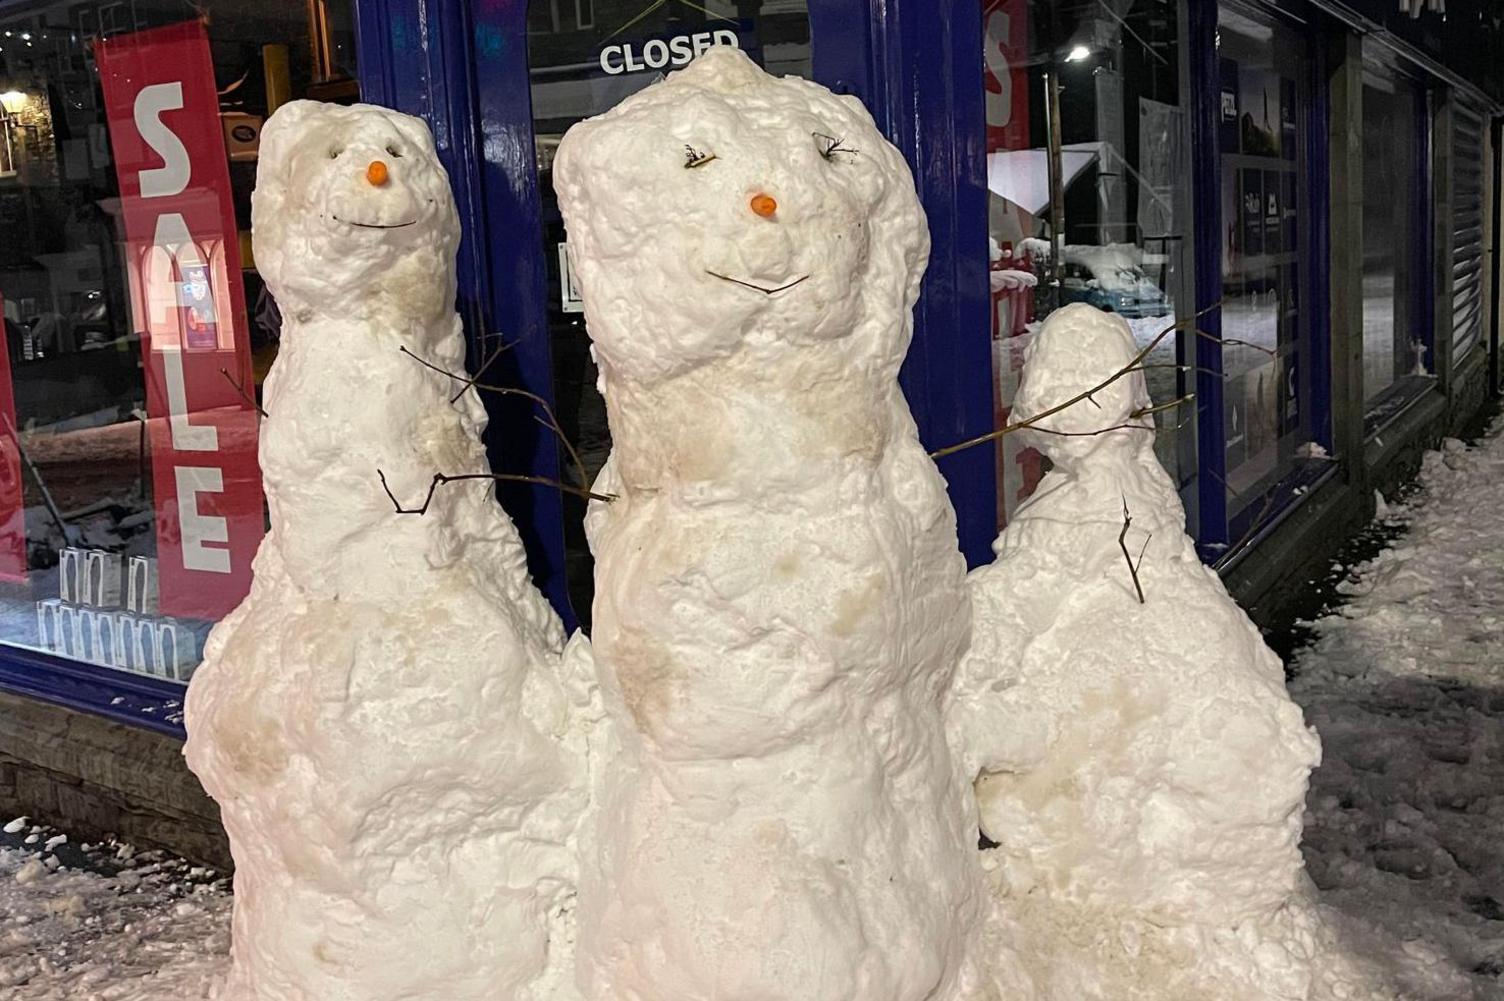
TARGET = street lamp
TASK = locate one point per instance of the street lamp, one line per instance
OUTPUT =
(13, 101)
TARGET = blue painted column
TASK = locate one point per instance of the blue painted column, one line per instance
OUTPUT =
(926, 92)
(1204, 103)
(462, 67)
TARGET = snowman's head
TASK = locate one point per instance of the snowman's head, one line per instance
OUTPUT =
(352, 212)
(1076, 350)
(724, 209)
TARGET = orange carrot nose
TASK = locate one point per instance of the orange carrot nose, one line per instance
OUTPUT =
(376, 173)
(764, 205)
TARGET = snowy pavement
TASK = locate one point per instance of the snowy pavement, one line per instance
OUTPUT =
(1405, 683)
(101, 923)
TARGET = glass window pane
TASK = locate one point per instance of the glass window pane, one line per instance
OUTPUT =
(1096, 214)
(1267, 350)
(135, 329)
(1393, 343)
(584, 57)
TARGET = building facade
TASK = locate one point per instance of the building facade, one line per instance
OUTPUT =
(1293, 203)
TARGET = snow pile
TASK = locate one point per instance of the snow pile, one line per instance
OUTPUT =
(107, 924)
(780, 602)
(396, 746)
(1405, 823)
(1142, 769)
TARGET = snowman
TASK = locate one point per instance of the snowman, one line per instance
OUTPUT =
(1140, 764)
(395, 744)
(780, 603)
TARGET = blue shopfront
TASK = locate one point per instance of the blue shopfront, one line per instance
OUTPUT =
(1304, 191)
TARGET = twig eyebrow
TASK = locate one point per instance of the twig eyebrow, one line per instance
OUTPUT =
(694, 158)
(829, 145)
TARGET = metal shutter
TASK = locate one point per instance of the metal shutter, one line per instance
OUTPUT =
(1468, 132)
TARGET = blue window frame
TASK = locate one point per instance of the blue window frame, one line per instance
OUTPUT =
(1259, 163)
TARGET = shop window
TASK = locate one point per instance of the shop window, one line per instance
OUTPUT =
(1267, 353)
(1094, 213)
(1396, 266)
(586, 57)
(135, 328)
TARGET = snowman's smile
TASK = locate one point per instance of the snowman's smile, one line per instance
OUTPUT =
(759, 288)
(376, 225)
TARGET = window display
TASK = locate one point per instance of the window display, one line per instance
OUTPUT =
(1266, 340)
(1396, 327)
(135, 326)
(1086, 158)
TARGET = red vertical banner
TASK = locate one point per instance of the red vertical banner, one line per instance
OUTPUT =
(12, 507)
(1005, 30)
(188, 304)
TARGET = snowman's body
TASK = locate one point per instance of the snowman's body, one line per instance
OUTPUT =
(1140, 764)
(384, 720)
(779, 602)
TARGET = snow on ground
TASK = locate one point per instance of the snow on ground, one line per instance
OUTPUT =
(101, 923)
(1405, 682)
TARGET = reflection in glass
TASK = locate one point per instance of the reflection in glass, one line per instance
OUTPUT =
(1394, 344)
(1085, 160)
(80, 529)
(1266, 413)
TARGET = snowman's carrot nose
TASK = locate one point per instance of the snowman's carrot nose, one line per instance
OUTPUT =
(376, 173)
(764, 205)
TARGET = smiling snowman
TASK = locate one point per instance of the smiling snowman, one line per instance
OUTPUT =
(779, 600)
(385, 720)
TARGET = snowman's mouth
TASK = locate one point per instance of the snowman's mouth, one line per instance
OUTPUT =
(759, 288)
(376, 225)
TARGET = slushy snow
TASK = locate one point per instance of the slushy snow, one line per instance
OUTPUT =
(1405, 820)
(385, 720)
(780, 603)
(110, 926)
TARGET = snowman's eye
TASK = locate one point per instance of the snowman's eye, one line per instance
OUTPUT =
(829, 146)
(393, 151)
(694, 158)
(334, 154)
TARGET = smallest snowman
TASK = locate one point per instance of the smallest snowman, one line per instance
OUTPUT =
(1137, 758)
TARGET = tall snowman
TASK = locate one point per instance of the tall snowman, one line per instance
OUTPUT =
(1140, 764)
(779, 599)
(385, 721)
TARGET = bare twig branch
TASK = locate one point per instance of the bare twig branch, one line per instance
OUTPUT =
(247, 397)
(501, 349)
(1127, 558)
(1162, 407)
(550, 420)
(1132, 366)
(439, 479)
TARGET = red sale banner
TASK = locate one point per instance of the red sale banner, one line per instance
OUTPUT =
(12, 508)
(1005, 26)
(188, 304)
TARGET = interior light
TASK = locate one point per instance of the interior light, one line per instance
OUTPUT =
(12, 101)
(1077, 54)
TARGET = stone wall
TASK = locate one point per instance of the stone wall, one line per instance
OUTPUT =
(92, 778)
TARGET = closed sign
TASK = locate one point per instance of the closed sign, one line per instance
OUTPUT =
(662, 53)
